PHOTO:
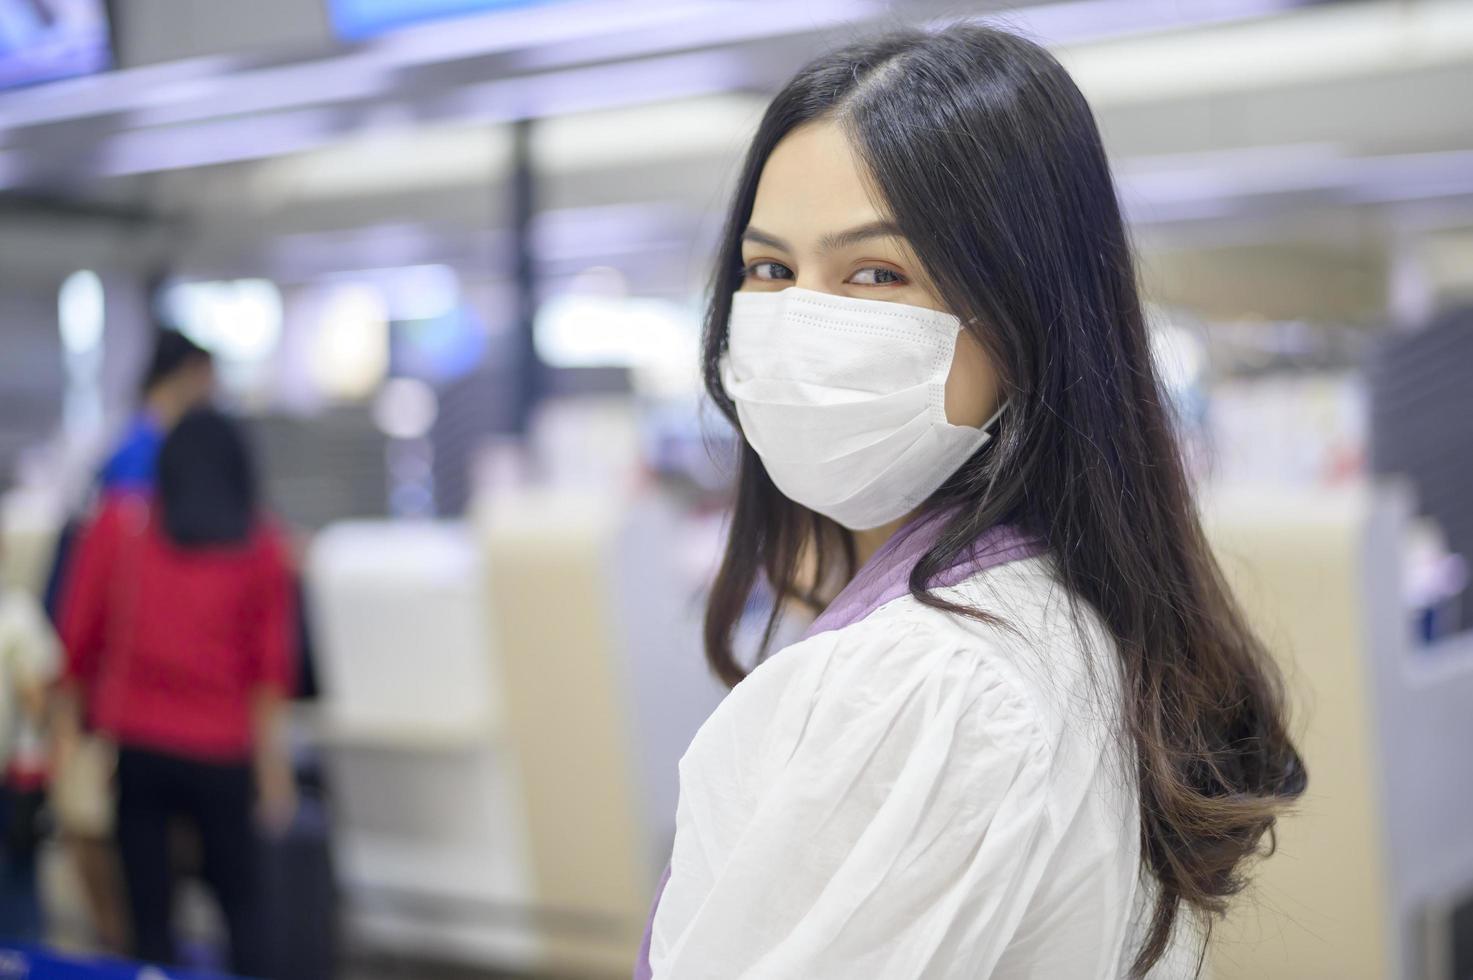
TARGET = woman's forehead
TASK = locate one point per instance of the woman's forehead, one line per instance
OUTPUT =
(814, 176)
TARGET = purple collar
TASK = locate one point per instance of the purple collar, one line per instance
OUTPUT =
(884, 577)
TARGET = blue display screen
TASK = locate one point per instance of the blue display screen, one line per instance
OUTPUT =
(357, 19)
(43, 40)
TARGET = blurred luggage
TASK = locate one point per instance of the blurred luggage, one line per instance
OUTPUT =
(301, 897)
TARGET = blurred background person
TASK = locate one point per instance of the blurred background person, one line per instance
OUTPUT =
(178, 624)
(29, 661)
(178, 376)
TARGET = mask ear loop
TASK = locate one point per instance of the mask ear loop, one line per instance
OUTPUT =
(1002, 406)
(987, 426)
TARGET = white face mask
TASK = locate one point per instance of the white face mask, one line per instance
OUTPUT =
(845, 400)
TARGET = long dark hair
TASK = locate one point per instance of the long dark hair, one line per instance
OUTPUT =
(207, 482)
(988, 157)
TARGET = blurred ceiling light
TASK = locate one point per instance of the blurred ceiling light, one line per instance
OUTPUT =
(703, 24)
(349, 352)
(1193, 186)
(421, 292)
(406, 408)
(530, 27)
(308, 256)
(573, 330)
(1318, 43)
(113, 92)
(441, 349)
(1236, 170)
(406, 159)
(564, 234)
(1171, 187)
(409, 292)
(601, 86)
(710, 124)
(239, 320)
(81, 313)
(1078, 21)
(348, 78)
(599, 280)
(1412, 176)
(217, 141)
(576, 90)
(475, 156)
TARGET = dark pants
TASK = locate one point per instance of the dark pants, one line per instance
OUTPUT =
(153, 790)
(20, 902)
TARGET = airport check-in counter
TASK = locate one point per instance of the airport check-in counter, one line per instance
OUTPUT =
(505, 701)
(1380, 849)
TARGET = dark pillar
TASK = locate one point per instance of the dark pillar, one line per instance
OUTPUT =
(529, 377)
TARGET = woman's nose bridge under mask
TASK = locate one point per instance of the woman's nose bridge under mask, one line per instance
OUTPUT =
(844, 400)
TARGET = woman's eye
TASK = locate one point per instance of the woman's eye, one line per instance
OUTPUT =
(881, 277)
(768, 271)
(780, 271)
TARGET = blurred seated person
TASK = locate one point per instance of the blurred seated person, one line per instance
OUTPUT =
(178, 624)
(29, 660)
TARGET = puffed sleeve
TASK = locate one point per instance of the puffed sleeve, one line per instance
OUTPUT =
(84, 603)
(862, 809)
(273, 612)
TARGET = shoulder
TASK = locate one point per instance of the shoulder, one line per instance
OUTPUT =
(1036, 683)
(118, 511)
(1054, 647)
(881, 721)
(1043, 652)
(132, 462)
(900, 675)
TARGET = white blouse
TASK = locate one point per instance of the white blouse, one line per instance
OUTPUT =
(915, 795)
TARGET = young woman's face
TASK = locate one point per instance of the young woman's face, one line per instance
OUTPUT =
(813, 225)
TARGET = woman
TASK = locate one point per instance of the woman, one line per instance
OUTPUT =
(1032, 734)
(180, 375)
(177, 626)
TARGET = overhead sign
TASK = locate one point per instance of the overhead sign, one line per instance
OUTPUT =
(358, 19)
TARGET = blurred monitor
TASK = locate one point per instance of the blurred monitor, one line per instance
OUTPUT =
(44, 40)
(324, 468)
(358, 19)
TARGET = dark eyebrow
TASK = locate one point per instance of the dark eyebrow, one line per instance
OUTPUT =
(831, 242)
